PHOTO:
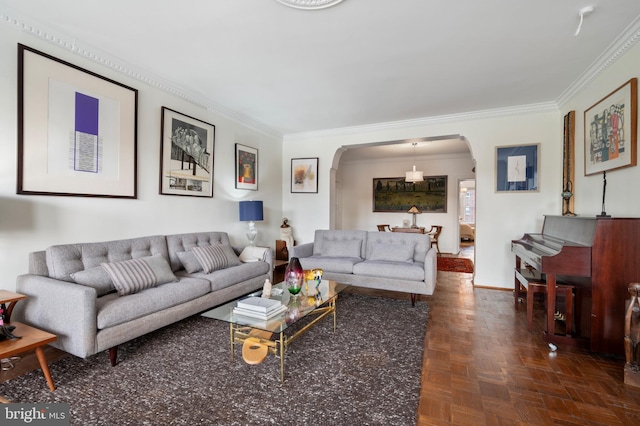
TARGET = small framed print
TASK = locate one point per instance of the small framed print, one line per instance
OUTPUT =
(517, 168)
(186, 155)
(246, 167)
(304, 175)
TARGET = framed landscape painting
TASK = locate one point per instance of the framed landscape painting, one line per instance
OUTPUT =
(246, 167)
(610, 131)
(396, 195)
(186, 155)
(77, 130)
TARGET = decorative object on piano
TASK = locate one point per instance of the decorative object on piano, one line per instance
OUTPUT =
(396, 195)
(413, 175)
(604, 193)
(568, 164)
(414, 210)
(246, 167)
(632, 337)
(304, 175)
(610, 131)
(517, 168)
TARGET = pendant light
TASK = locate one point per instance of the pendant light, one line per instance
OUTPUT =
(414, 176)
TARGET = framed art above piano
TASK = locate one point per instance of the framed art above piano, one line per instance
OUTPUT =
(610, 130)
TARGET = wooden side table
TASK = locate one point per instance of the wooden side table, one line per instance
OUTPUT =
(31, 338)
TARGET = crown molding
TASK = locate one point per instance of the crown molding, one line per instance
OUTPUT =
(616, 49)
(69, 44)
(426, 121)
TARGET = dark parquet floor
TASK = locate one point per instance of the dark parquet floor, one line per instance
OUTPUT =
(482, 367)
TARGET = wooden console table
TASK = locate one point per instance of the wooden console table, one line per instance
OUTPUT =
(31, 338)
(419, 230)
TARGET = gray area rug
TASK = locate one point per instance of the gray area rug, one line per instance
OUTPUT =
(367, 373)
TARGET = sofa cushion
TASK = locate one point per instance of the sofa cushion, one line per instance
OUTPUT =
(189, 261)
(344, 265)
(114, 310)
(345, 248)
(134, 275)
(327, 241)
(394, 270)
(383, 250)
(185, 242)
(95, 277)
(223, 278)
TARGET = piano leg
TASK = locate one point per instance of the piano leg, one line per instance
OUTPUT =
(551, 303)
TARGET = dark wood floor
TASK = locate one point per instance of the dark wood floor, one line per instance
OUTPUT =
(482, 367)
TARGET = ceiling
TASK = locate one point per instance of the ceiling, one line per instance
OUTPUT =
(358, 63)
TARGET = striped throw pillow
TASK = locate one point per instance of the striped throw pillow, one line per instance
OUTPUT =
(131, 276)
(212, 258)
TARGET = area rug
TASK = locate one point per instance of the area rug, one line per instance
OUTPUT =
(455, 264)
(368, 373)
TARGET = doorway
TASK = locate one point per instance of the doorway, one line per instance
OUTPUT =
(467, 217)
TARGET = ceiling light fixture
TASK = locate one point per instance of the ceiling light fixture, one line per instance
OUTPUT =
(309, 4)
(583, 12)
(414, 176)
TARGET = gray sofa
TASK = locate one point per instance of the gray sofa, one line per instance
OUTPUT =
(95, 296)
(382, 260)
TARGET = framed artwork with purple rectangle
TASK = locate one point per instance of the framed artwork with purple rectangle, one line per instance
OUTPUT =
(77, 130)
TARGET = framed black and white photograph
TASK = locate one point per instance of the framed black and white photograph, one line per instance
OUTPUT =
(77, 130)
(304, 175)
(246, 167)
(186, 155)
(517, 168)
(610, 131)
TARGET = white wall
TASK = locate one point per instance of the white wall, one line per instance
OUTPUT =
(500, 217)
(622, 196)
(30, 222)
(356, 179)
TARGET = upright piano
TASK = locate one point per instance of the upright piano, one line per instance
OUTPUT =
(600, 256)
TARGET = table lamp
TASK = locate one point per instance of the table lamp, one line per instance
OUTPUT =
(251, 211)
(414, 210)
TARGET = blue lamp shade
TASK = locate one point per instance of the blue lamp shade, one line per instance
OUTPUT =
(250, 211)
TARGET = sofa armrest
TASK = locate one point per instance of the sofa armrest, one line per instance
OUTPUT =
(65, 309)
(431, 267)
(303, 250)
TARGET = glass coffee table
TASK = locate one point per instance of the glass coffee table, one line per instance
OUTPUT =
(260, 337)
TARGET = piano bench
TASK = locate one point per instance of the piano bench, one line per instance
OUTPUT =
(567, 291)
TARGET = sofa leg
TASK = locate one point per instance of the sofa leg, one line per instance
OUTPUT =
(413, 299)
(113, 355)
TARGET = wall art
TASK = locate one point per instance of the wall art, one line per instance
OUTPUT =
(246, 167)
(77, 130)
(396, 195)
(304, 175)
(611, 130)
(186, 155)
(517, 168)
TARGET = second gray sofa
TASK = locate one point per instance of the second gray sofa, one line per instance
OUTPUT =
(382, 260)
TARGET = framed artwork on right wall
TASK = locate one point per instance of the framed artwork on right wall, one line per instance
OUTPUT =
(610, 130)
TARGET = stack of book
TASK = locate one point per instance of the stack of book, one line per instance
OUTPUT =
(259, 307)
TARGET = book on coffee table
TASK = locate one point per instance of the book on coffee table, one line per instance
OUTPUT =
(259, 304)
(259, 315)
